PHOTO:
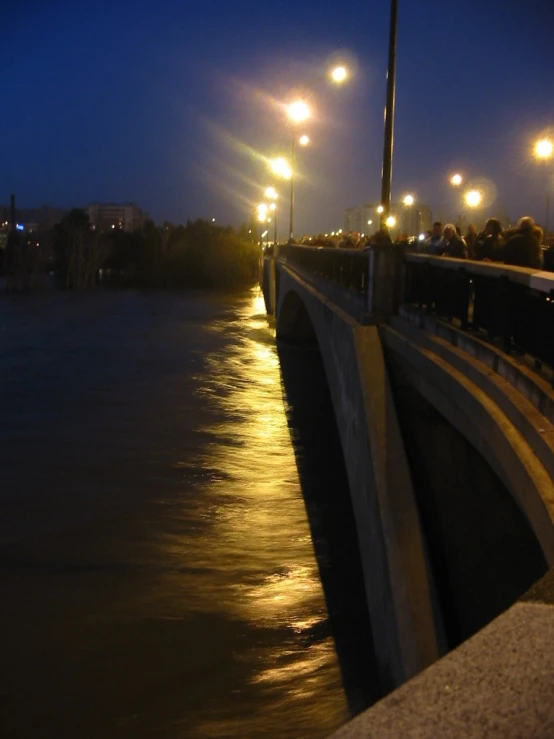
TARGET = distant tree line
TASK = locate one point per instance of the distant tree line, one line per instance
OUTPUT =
(199, 254)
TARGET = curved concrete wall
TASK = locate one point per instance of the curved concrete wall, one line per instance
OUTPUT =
(402, 573)
(405, 624)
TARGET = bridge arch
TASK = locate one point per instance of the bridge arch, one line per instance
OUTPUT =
(404, 620)
(485, 498)
(407, 615)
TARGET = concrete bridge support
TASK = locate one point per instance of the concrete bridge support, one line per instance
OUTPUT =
(407, 632)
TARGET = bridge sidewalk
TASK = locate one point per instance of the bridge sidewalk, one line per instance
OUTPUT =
(499, 683)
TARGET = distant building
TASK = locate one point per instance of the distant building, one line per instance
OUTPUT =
(106, 216)
(33, 219)
(411, 220)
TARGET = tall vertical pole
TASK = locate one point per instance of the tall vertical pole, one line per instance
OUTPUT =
(292, 167)
(389, 117)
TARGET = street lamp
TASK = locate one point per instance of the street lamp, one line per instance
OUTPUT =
(386, 178)
(456, 180)
(407, 224)
(543, 151)
(303, 140)
(272, 194)
(544, 148)
(298, 112)
(473, 198)
(281, 168)
(338, 74)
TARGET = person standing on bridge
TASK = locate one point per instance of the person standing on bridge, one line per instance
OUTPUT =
(435, 243)
(523, 247)
(454, 245)
(489, 246)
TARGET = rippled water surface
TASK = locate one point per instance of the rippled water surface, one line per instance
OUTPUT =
(157, 568)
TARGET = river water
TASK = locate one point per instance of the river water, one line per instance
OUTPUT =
(157, 568)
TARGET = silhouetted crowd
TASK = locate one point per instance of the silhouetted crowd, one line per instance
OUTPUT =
(519, 246)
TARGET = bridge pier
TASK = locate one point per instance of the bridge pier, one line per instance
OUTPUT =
(436, 528)
(405, 621)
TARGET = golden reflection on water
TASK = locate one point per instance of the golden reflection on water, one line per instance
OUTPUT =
(252, 536)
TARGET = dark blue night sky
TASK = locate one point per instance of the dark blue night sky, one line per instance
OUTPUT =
(173, 105)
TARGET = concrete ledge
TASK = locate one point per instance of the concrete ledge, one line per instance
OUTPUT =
(535, 279)
(534, 427)
(475, 415)
(529, 383)
(499, 683)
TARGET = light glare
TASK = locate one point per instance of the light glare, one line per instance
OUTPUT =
(281, 168)
(544, 149)
(339, 74)
(298, 111)
(473, 198)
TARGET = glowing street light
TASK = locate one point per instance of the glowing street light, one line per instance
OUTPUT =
(281, 168)
(380, 209)
(544, 149)
(473, 198)
(456, 179)
(272, 194)
(298, 111)
(339, 74)
(408, 200)
(390, 222)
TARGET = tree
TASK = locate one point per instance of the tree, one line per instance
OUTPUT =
(80, 251)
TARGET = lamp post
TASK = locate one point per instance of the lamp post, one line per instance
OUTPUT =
(543, 151)
(299, 112)
(272, 194)
(408, 201)
(473, 198)
(389, 117)
(262, 218)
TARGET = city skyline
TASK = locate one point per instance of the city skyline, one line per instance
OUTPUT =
(178, 108)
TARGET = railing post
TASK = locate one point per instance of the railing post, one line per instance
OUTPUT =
(272, 307)
(386, 281)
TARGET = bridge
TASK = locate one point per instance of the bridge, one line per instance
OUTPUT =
(440, 376)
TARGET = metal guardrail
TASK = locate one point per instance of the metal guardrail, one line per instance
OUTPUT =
(514, 304)
(348, 268)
